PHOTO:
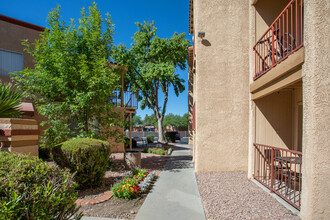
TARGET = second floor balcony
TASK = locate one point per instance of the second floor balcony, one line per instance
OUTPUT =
(125, 99)
(282, 38)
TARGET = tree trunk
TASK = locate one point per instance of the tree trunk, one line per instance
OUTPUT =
(160, 130)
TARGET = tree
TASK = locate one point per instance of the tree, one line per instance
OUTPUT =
(149, 120)
(72, 79)
(136, 120)
(176, 120)
(9, 101)
(152, 62)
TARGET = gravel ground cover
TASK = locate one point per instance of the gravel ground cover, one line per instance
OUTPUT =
(230, 195)
(120, 208)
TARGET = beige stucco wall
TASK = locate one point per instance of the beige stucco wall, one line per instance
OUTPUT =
(316, 112)
(222, 85)
(266, 12)
(274, 119)
(190, 103)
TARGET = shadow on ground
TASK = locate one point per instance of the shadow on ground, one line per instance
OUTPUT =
(176, 163)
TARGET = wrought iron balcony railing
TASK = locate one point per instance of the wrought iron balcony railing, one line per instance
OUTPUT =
(127, 100)
(279, 170)
(282, 38)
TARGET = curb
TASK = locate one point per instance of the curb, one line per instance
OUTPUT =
(105, 197)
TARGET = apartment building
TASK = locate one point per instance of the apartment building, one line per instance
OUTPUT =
(12, 55)
(259, 95)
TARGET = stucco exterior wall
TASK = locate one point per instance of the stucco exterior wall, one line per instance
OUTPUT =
(274, 120)
(316, 112)
(222, 85)
(266, 12)
(190, 104)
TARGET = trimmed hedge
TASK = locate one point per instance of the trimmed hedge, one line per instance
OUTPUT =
(86, 157)
(31, 189)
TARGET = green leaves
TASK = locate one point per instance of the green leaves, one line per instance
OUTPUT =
(9, 101)
(152, 62)
(176, 120)
(72, 79)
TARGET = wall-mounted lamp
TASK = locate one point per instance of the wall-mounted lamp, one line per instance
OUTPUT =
(201, 34)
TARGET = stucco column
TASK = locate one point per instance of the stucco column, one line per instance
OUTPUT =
(252, 15)
(316, 112)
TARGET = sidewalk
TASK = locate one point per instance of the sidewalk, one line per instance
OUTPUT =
(175, 194)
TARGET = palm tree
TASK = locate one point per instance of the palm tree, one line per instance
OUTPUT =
(9, 101)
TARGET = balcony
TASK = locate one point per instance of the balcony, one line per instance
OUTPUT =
(279, 170)
(283, 37)
(125, 99)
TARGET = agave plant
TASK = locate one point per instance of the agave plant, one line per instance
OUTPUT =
(10, 98)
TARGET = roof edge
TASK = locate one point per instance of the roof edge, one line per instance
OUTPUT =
(21, 23)
(191, 17)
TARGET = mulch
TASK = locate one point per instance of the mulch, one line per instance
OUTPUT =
(119, 208)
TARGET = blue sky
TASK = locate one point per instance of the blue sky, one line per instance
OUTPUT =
(170, 16)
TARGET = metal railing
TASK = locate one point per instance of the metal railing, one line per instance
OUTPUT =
(279, 170)
(129, 99)
(282, 38)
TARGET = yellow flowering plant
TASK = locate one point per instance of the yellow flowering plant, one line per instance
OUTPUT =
(128, 187)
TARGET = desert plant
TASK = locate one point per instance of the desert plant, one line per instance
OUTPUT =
(150, 138)
(9, 101)
(85, 157)
(31, 189)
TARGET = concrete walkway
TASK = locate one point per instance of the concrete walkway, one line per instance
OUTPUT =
(175, 194)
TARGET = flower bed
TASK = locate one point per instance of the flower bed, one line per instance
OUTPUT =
(134, 184)
(159, 150)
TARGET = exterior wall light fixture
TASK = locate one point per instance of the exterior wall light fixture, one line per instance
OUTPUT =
(201, 34)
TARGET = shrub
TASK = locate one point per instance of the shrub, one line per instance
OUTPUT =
(87, 158)
(128, 188)
(31, 189)
(150, 138)
(170, 136)
(158, 150)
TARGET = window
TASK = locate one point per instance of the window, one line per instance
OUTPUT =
(10, 62)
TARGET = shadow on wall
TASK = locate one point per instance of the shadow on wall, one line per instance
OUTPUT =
(274, 119)
(206, 42)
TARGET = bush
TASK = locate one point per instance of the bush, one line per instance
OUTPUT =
(158, 150)
(150, 138)
(87, 158)
(31, 189)
(170, 136)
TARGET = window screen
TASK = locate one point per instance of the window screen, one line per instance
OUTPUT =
(10, 62)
